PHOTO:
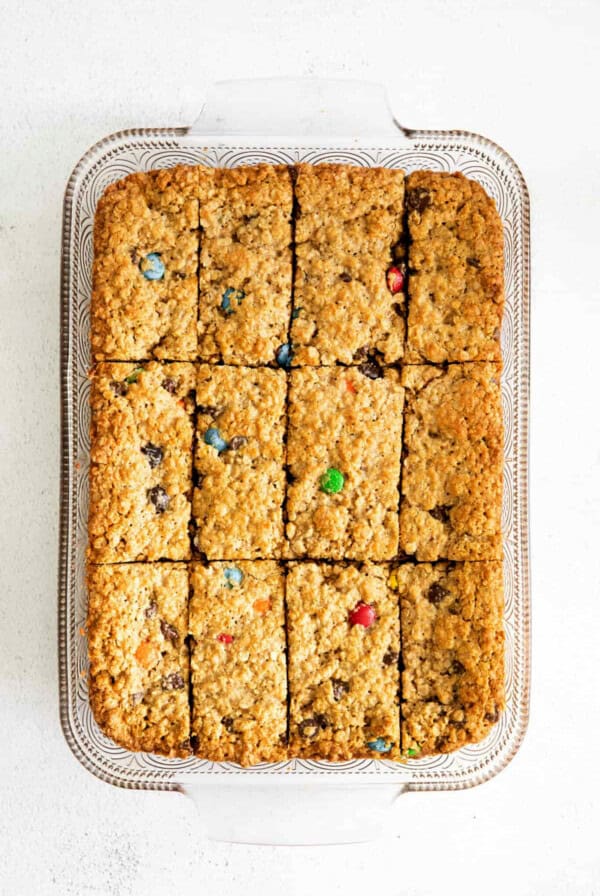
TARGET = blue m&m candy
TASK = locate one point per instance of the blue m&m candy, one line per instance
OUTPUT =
(284, 355)
(213, 437)
(152, 266)
(379, 745)
(233, 576)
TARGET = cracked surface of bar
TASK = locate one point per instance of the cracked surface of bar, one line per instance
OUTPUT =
(141, 461)
(245, 263)
(238, 662)
(139, 664)
(452, 654)
(348, 227)
(146, 224)
(240, 480)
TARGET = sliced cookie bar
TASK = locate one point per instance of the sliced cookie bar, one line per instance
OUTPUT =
(456, 281)
(145, 274)
(238, 662)
(348, 298)
(239, 464)
(452, 654)
(343, 457)
(343, 637)
(139, 664)
(245, 263)
(452, 464)
(141, 461)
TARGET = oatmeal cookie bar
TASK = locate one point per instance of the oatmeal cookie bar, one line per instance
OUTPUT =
(238, 662)
(239, 464)
(452, 463)
(348, 298)
(141, 461)
(455, 286)
(245, 263)
(139, 664)
(452, 654)
(145, 274)
(343, 637)
(343, 458)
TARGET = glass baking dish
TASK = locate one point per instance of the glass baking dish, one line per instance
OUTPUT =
(243, 123)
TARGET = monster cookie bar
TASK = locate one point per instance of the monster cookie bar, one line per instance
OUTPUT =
(452, 463)
(348, 299)
(343, 457)
(452, 654)
(456, 292)
(245, 263)
(139, 665)
(343, 636)
(145, 279)
(239, 464)
(141, 461)
(238, 662)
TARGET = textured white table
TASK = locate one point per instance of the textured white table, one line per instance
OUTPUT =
(522, 74)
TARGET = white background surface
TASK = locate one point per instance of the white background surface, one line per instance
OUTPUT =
(525, 75)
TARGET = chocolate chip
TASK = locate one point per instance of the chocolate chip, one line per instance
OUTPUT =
(137, 698)
(170, 385)
(474, 262)
(455, 724)
(339, 688)
(173, 682)
(237, 442)
(492, 716)
(361, 353)
(169, 632)
(118, 388)
(418, 199)
(345, 277)
(440, 744)
(227, 723)
(151, 610)
(159, 498)
(457, 668)
(398, 308)
(198, 478)
(371, 369)
(209, 409)
(153, 452)
(436, 593)
(441, 512)
(135, 256)
(310, 727)
(390, 657)
(186, 745)
(178, 275)
(283, 738)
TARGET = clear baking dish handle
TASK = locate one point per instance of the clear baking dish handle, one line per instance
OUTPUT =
(292, 813)
(298, 107)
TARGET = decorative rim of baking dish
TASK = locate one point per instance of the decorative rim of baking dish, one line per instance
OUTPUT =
(142, 149)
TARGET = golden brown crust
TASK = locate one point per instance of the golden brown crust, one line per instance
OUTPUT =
(452, 654)
(239, 688)
(246, 263)
(139, 664)
(339, 418)
(452, 468)
(133, 318)
(349, 223)
(456, 283)
(239, 492)
(140, 462)
(343, 678)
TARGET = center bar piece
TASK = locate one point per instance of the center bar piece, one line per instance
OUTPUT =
(239, 463)
(343, 458)
(348, 291)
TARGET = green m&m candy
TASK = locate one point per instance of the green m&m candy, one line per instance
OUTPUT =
(332, 481)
